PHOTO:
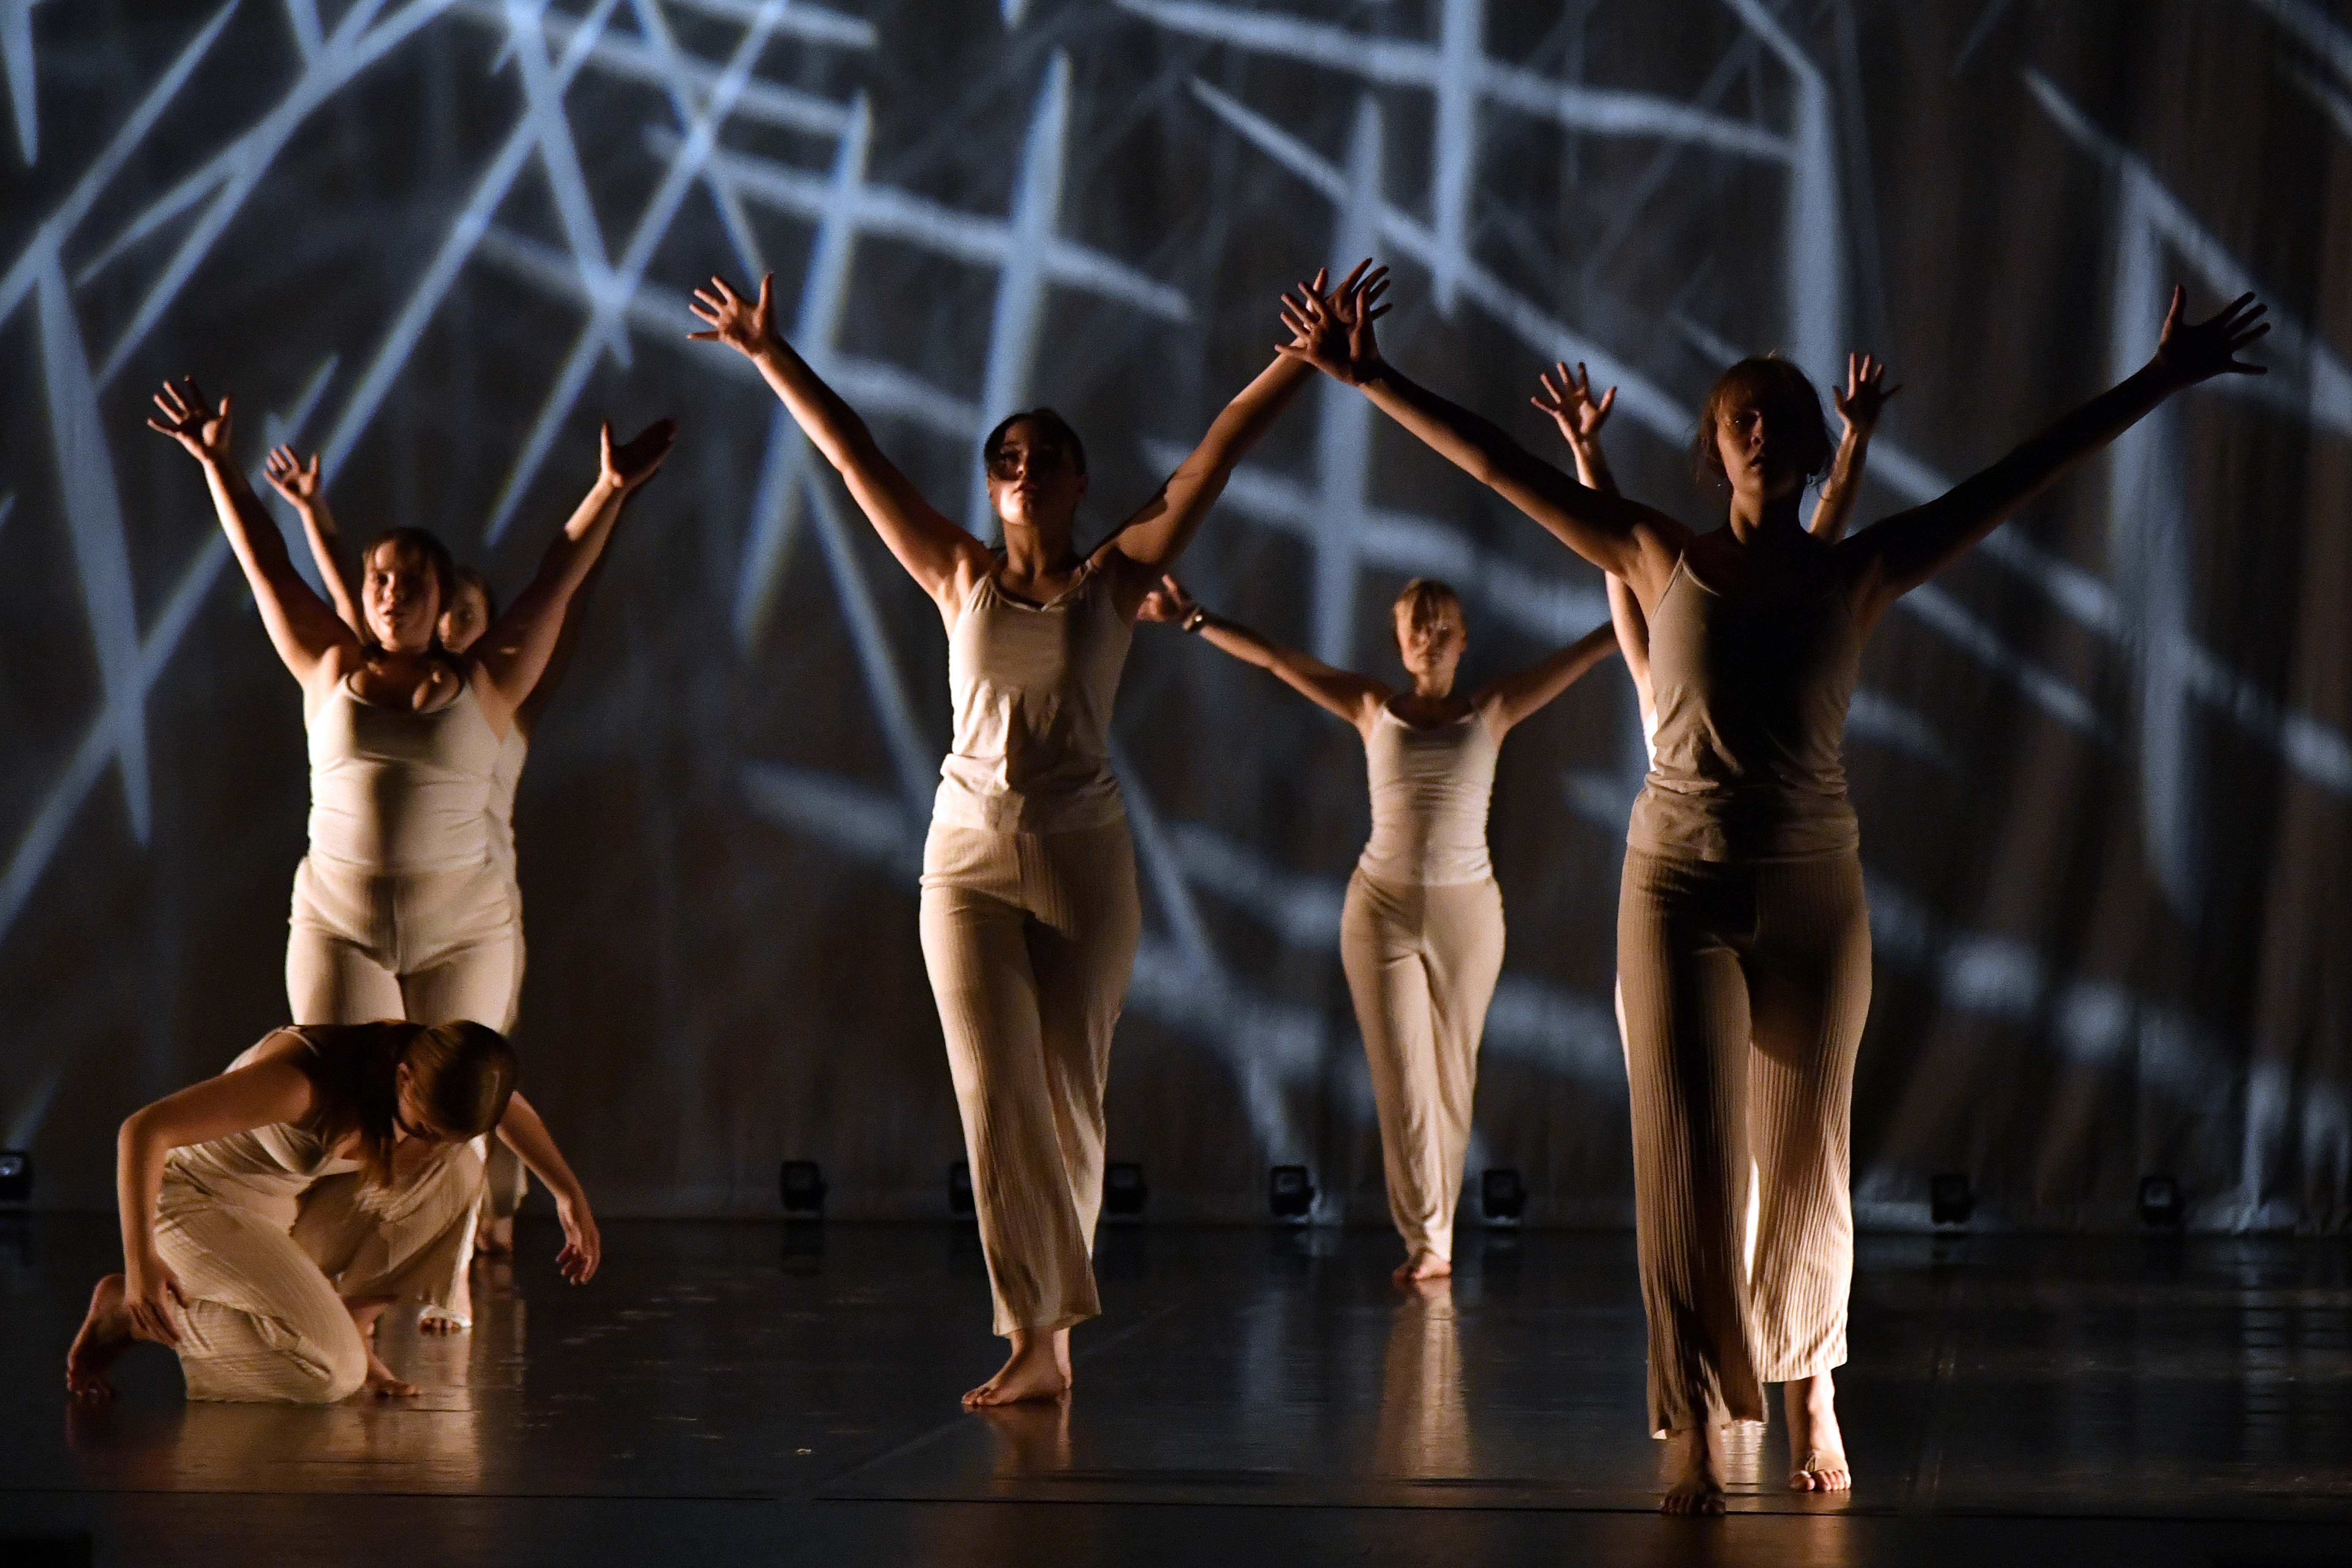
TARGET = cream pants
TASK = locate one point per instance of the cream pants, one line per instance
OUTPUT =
(267, 1277)
(432, 947)
(1422, 964)
(1030, 940)
(1746, 987)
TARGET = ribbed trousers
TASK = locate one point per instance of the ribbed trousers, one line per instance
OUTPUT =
(1422, 964)
(1745, 989)
(1030, 941)
(265, 1276)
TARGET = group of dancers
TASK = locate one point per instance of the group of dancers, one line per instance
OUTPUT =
(272, 1214)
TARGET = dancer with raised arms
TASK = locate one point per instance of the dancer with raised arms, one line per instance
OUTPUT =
(272, 1214)
(1743, 939)
(401, 908)
(1030, 917)
(1421, 932)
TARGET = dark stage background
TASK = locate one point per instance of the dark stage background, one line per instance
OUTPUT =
(2102, 766)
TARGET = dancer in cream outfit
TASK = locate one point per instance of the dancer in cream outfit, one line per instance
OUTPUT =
(1030, 917)
(271, 1215)
(1420, 934)
(1743, 936)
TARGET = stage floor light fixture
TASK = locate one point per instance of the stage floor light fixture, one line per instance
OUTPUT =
(801, 1184)
(960, 1187)
(1503, 1195)
(1290, 1192)
(1125, 1191)
(15, 1177)
(2159, 1201)
(1950, 1199)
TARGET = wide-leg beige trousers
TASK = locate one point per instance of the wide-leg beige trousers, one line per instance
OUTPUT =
(1421, 965)
(1746, 990)
(267, 1277)
(1030, 941)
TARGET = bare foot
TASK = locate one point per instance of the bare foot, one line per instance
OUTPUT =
(1062, 1357)
(1422, 1266)
(105, 1335)
(382, 1385)
(1816, 1448)
(436, 1321)
(1693, 1485)
(1031, 1372)
(495, 1240)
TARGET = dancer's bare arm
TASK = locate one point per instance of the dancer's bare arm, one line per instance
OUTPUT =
(258, 1094)
(940, 556)
(1908, 548)
(315, 645)
(513, 653)
(1579, 416)
(1357, 698)
(298, 483)
(1863, 400)
(1160, 528)
(521, 1131)
(1510, 698)
(1617, 535)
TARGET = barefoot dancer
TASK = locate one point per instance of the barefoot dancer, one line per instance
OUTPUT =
(1742, 937)
(1420, 935)
(400, 908)
(469, 612)
(270, 1214)
(1030, 918)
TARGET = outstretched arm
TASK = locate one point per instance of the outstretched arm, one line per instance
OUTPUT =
(1160, 528)
(931, 548)
(1355, 698)
(567, 643)
(513, 653)
(521, 1131)
(298, 483)
(1865, 398)
(1617, 535)
(304, 630)
(1511, 698)
(1910, 547)
(1579, 416)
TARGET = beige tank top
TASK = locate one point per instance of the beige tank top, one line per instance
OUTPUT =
(1751, 697)
(396, 791)
(505, 779)
(1431, 788)
(270, 1165)
(1033, 686)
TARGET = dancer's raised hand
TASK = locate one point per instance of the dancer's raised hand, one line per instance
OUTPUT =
(192, 420)
(631, 464)
(1167, 604)
(2191, 352)
(583, 1248)
(1333, 331)
(741, 324)
(1572, 404)
(290, 477)
(1866, 394)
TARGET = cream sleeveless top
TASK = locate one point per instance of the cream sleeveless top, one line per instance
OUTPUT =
(506, 778)
(271, 1166)
(1751, 697)
(1431, 788)
(1032, 687)
(397, 791)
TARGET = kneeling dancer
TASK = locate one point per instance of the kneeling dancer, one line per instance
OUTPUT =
(272, 1214)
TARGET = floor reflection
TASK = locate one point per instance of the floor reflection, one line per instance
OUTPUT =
(1423, 1432)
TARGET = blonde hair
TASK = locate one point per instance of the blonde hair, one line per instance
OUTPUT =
(463, 1074)
(1424, 599)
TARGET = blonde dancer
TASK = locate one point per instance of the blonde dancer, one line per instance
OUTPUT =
(1743, 939)
(1420, 934)
(1030, 917)
(271, 1215)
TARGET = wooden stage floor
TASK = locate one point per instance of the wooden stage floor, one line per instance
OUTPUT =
(765, 1392)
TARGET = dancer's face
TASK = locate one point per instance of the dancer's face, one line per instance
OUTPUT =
(400, 597)
(467, 618)
(1034, 481)
(1433, 645)
(1759, 449)
(408, 1111)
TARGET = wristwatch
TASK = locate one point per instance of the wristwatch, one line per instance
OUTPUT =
(1193, 622)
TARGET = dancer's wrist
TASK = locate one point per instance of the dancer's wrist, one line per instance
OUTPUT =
(1196, 620)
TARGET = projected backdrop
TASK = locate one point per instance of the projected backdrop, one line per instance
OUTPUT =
(2102, 767)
